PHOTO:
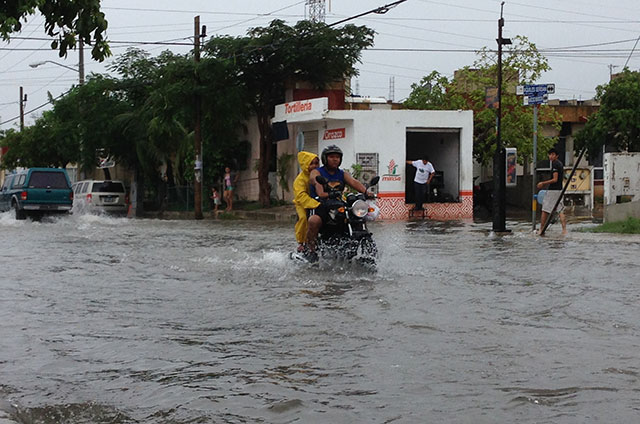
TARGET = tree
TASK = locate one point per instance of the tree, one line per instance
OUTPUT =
(67, 21)
(270, 57)
(522, 64)
(617, 122)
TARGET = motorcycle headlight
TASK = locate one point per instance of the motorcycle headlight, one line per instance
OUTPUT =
(360, 208)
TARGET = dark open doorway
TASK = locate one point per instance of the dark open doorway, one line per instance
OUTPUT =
(443, 150)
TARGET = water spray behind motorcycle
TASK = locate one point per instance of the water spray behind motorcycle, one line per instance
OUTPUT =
(345, 236)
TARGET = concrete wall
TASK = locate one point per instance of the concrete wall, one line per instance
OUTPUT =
(621, 176)
(621, 211)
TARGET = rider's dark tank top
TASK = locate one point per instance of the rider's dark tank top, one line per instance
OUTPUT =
(334, 180)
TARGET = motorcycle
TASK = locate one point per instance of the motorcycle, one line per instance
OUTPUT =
(345, 235)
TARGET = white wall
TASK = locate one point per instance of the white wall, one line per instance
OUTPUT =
(384, 131)
(621, 176)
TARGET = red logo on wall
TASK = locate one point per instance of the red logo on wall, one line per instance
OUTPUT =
(334, 134)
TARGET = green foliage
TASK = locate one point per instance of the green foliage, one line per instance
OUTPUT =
(283, 169)
(617, 122)
(522, 64)
(431, 94)
(269, 58)
(629, 226)
(145, 117)
(66, 21)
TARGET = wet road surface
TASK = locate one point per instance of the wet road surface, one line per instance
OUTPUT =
(107, 320)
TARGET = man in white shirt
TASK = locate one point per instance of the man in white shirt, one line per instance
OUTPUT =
(424, 174)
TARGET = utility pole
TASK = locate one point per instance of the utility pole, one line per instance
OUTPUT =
(81, 62)
(197, 125)
(499, 182)
(23, 101)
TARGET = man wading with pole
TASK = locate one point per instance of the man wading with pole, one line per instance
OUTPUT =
(554, 192)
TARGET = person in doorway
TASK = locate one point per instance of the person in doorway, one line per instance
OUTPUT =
(215, 200)
(301, 196)
(336, 179)
(553, 192)
(230, 180)
(422, 180)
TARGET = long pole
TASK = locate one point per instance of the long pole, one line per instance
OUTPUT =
(535, 162)
(566, 184)
(499, 184)
(81, 62)
(197, 207)
(21, 108)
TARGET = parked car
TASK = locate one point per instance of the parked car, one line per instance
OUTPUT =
(100, 196)
(37, 191)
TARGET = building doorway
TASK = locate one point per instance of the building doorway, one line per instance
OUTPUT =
(442, 147)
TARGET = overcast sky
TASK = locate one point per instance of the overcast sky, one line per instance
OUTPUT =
(591, 38)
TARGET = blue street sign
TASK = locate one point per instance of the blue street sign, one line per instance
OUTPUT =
(535, 100)
(535, 94)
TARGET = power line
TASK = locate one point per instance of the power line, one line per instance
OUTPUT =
(36, 108)
(630, 54)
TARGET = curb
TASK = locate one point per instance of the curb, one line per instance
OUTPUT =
(280, 216)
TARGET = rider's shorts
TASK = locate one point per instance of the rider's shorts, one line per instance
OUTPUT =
(322, 211)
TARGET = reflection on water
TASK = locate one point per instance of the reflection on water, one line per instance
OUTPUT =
(109, 320)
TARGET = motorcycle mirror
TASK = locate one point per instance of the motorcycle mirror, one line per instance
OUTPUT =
(321, 180)
(374, 181)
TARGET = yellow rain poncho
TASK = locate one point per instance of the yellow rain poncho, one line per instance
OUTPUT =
(301, 197)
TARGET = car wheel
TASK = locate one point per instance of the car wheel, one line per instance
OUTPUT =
(20, 214)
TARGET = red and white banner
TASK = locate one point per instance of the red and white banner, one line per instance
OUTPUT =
(334, 134)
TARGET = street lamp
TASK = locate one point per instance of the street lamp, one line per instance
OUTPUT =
(79, 70)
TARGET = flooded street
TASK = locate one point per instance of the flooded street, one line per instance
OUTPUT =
(110, 320)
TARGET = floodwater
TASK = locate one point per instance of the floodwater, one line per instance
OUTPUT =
(109, 320)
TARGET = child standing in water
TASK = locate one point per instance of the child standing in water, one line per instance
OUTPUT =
(215, 198)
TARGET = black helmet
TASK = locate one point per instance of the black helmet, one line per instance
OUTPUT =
(329, 150)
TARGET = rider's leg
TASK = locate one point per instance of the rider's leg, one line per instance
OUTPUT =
(313, 227)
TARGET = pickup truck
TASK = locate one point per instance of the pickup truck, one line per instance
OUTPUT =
(36, 192)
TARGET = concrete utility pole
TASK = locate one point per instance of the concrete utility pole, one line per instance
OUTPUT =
(23, 100)
(81, 62)
(499, 182)
(197, 198)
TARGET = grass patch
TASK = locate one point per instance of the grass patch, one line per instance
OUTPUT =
(227, 215)
(249, 206)
(629, 226)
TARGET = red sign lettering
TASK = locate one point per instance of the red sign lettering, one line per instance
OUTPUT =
(297, 107)
(334, 134)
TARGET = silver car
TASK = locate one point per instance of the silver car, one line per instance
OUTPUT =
(94, 196)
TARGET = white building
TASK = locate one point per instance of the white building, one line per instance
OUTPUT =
(381, 140)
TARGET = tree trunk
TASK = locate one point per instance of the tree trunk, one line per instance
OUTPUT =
(137, 193)
(266, 137)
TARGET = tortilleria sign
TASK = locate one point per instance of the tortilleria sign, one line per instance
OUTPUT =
(334, 134)
(301, 110)
(299, 106)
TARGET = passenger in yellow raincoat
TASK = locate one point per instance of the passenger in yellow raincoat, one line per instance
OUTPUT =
(303, 201)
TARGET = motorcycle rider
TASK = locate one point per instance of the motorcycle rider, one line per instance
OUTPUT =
(336, 178)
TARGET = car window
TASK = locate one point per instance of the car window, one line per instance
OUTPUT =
(108, 187)
(7, 183)
(19, 181)
(44, 179)
(84, 188)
